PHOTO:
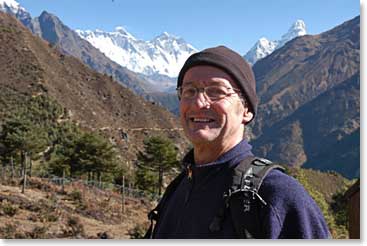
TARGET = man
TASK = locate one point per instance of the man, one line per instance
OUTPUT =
(217, 93)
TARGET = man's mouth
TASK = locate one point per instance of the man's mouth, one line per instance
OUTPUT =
(201, 120)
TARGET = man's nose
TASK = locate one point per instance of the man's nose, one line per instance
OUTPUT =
(201, 99)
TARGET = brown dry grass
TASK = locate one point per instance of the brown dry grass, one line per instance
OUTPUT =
(49, 213)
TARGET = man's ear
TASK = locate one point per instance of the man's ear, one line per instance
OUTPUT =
(247, 116)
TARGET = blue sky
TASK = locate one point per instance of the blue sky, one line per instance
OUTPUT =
(203, 23)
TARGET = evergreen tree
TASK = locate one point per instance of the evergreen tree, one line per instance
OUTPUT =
(28, 126)
(96, 155)
(21, 138)
(159, 157)
(62, 156)
(77, 153)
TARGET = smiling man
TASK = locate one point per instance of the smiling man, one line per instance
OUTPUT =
(214, 120)
(224, 191)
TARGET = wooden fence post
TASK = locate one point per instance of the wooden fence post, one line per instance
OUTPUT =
(62, 181)
(24, 172)
(123, 195)
(99, 175)
(30, 166)
(3, 172)
(12, 167)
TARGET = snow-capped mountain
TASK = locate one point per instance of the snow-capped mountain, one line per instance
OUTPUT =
(9, 5)
(297, 29)
(163, 55)
(264, 47)
(12, 7)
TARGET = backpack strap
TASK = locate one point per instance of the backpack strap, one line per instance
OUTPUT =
(153, 215)
(242, 195)
(216, 224)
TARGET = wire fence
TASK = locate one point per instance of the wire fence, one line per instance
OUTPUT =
(127, 191)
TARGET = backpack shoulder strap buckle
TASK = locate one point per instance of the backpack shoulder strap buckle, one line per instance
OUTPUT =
(247, 178)
(153, 215)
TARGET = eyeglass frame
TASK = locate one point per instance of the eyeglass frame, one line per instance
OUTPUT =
(203, 89)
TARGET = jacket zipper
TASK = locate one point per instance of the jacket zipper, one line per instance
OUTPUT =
(190, 180)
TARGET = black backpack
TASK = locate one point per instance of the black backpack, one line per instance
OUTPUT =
(240, 198)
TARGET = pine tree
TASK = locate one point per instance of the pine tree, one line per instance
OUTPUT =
(20, 137)
(96, 155)
(159, 157)
(77, 153)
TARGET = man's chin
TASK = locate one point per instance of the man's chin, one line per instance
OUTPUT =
(201, 137)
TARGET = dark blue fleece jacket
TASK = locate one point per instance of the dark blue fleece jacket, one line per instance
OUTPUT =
(290, 211)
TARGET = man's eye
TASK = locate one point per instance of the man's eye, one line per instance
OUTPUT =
(215, 91)
(188, 91)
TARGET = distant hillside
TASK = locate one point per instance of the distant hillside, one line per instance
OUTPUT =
(327, 183)
(327, 189)
(309, 110)
(167, 100)
(50, 28)
(31, 67)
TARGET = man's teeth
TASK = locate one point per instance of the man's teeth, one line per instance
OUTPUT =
(201, 120)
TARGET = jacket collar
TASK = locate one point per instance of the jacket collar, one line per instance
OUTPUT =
(231, 157)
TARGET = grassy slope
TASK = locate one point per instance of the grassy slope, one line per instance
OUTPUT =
(45, 212)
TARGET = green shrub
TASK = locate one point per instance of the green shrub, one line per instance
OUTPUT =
(50, 217)
(76, 195)
(38, 232)
(8, 209)
(137, 232)
(9, 231)
(76, 228)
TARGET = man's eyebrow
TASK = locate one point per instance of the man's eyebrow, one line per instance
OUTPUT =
(187, 83)
(211, 83)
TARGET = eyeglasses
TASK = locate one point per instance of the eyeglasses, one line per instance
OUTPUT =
(214, 92)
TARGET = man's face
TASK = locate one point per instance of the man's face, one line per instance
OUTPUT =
(207, 122)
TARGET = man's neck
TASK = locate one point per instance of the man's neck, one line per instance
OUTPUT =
(210, 152)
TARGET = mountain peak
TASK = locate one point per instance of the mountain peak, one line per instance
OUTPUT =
(11, 4)
(299, 25)
(49, 18)
(12, 7)
(121, 29)
(297, 29)
(46, 14)
(263, 47)
(165, 36)
(262, 41)
(164, 55)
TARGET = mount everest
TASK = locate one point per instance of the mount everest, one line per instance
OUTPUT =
(163, 55)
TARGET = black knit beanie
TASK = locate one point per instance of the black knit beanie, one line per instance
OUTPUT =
(232, 63)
